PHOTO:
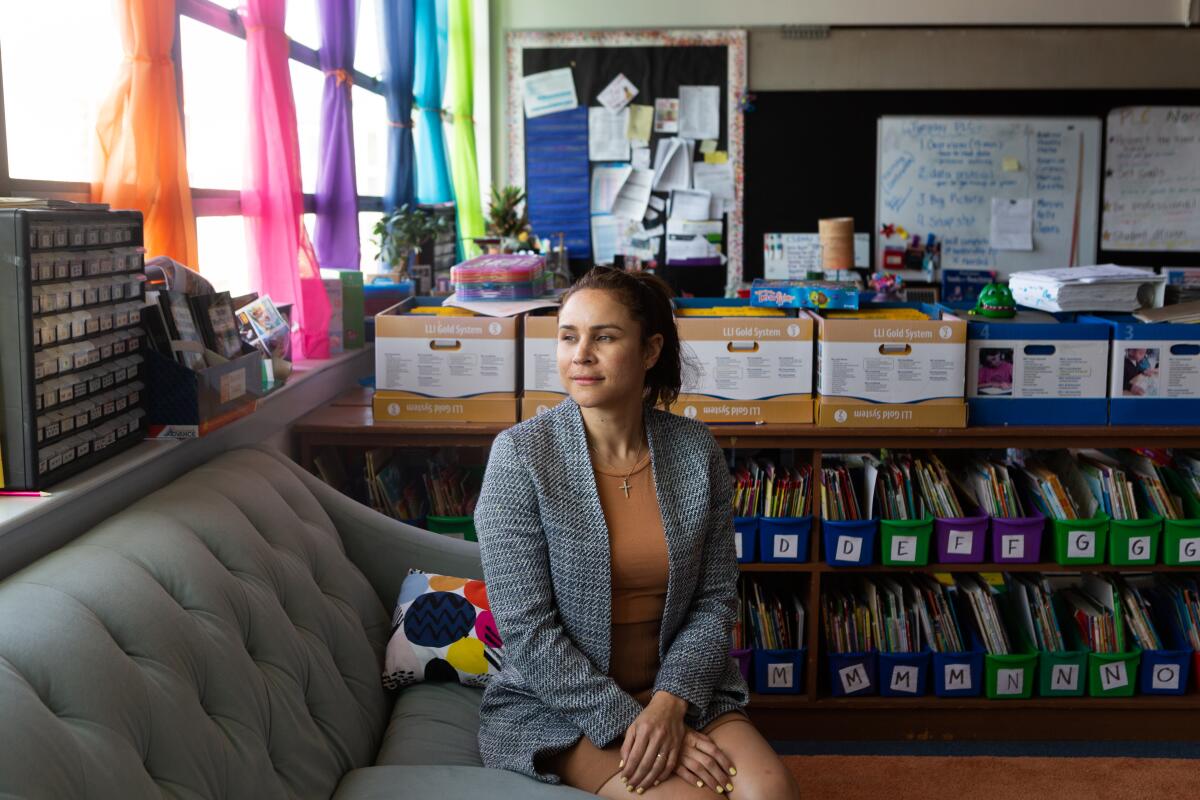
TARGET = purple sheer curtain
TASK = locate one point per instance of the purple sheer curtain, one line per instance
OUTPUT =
(336, 234)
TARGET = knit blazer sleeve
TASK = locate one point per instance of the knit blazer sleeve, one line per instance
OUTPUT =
(516, 569)
(698, 656)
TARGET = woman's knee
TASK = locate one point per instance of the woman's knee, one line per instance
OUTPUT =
(771, 783)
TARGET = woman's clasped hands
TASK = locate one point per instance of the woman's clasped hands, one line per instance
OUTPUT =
(658, 745)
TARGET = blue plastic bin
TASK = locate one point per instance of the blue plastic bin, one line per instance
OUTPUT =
(783, 540)
(779, 671)
(850, 543)
(904, 674)
(745, 533)
(853, 674)
(958, 674)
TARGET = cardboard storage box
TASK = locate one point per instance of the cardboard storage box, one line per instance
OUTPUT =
(430, 367)
(1154, 375)
(186, 403)
(1035, 369)
(541, 388)
(751, 368)
(891, 373)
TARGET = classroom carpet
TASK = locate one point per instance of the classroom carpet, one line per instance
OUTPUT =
(997, 771)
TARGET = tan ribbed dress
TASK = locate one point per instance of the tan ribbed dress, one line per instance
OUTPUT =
(638, 548)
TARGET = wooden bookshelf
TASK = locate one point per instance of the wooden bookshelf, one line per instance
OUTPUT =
(347, 422)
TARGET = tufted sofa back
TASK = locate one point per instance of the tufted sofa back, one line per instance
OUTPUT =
(211, 641)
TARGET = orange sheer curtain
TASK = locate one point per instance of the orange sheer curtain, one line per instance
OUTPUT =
(140, 161)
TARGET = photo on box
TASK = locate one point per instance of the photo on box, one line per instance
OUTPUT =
(1140, 375)
(996, 371)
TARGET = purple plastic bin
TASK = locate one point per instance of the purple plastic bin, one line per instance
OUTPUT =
(1018, 540)
(962, 540)
(743, 660)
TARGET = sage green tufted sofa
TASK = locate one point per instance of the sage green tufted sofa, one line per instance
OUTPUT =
(222, 638)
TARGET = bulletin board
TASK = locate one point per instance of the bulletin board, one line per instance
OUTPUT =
(657, 63)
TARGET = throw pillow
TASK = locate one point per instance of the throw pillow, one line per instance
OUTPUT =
(443, 630)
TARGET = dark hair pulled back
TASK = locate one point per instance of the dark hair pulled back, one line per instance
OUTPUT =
(648, 298)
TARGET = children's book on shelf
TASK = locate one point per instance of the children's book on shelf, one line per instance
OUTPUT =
(1034, 598)
(768, 619)
(843, 486)
(982, 599)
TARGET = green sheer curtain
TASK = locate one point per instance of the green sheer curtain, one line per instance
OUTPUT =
(463, 164)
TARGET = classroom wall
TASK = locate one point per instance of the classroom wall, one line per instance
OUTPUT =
(898, 58)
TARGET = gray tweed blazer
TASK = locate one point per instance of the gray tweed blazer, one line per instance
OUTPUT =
(545, 550)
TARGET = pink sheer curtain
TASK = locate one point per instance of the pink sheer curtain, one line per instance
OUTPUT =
(282, 261)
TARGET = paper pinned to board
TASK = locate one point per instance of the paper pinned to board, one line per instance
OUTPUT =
(691, 204)
(708, 146)
(640, 158)
(607, 139)
(666, 115)
(607, 181)
(634, 195)
(549, 92)
(657, 203)
(716, 179)
(1012, 223)
(605, 229)
(716, 157)
(641, 119)
(618, 93)
(673, 165)
(699, 112)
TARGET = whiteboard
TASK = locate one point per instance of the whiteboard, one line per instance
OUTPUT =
(939, 175)
(1152, 190)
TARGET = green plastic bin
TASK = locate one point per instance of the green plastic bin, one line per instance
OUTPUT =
(1080, 541)
(1063, 674)
(905, 542)
(458, 527)
(1181, 537)
(1132, 542)
(1113, 674)
(1010, 677)
(1181, 542)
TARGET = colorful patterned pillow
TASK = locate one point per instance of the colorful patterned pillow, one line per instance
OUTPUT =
(442, 630)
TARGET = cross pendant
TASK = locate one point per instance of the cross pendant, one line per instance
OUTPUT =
(625, 486)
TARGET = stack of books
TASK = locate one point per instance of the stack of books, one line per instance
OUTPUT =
(1097, 613)
(981, 595)
(1034, 598)
(937, 610)
(762, 488)
(894, 613)
(767, 619)
(910, 487)
(846, 619)
(1184, 597)
(991, 485)
(839, 500)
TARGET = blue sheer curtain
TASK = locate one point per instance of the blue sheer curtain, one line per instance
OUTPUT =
(433, 174)
(396, 23)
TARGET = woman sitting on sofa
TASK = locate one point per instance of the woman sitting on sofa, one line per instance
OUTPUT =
(606, 532)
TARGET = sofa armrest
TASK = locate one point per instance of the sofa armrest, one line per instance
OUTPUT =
(385, 549)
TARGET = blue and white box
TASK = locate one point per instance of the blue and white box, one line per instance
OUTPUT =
(1155, 371)
(1035, 369)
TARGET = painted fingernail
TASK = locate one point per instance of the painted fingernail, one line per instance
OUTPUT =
(720, 790)
(656, 783)
(733, 771)
(700, 784)
(729, 787)
(629, 788)
(640, 790)
(621, 764)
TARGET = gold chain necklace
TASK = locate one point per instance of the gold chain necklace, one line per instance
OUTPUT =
(625, 487)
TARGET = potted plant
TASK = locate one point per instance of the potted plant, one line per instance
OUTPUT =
(399, 235)
(508, 221)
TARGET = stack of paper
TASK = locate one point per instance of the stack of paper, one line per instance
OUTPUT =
(1100, 288)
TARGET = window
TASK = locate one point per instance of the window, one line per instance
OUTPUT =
(214, 104)
(51, 97)
(51, 103)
